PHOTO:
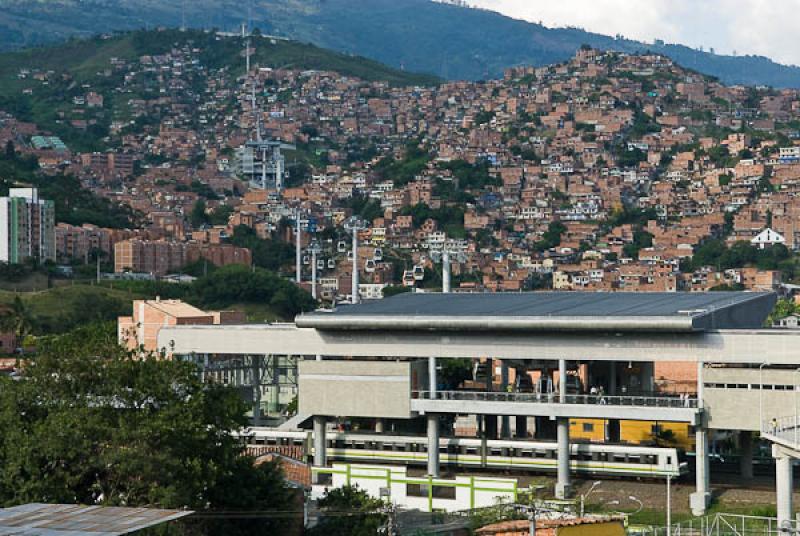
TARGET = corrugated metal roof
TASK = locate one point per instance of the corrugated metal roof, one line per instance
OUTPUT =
(580, 311)
(36, 519)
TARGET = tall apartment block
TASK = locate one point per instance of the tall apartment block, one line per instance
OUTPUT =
(27, 226)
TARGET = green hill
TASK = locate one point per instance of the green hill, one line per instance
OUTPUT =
(420, 35)
(83, 58)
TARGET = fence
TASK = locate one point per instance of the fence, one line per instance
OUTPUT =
(722, 525)
(664, 401)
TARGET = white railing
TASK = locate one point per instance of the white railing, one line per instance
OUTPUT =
(783, 429)
(723, 525)
(663, 401)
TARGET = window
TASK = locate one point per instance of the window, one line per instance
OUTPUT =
(588, 427)
(444, 492)
(417, 490)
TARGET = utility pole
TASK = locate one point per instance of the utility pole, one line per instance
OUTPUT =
(297, 260)
(669, 505)
(315, 250)
(354, 225)
(446, 271)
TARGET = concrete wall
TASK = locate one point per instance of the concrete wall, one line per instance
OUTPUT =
(740, 404)
(356, 388)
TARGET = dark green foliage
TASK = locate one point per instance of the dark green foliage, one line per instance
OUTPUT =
(552, 237)
(239, 284)
(267, 254)
(641, 239)
(403, 171)
(89, 424)
(394, 290)
(448, 216)
(363, 206)
(469, 176)
(715, 253)
(352, 513)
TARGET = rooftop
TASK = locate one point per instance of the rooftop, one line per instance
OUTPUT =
(37, 519)
(552, 311)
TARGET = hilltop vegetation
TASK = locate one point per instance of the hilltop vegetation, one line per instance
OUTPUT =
(420, 35)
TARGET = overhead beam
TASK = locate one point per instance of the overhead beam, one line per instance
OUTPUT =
(731, 346)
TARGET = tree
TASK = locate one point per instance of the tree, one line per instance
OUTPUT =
(352, 512)
(17, 319)
(11, 152)
(198, 216)
(91, 424)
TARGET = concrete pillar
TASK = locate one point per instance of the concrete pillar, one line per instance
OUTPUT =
(521, 427)
(505, 420)
(320, 453)
(746, 452)
(432, 376)
(379, 426)
(433, 445)
(783, 484)
(700, 498)
(562, 381)
(255, 362)
(563, 487)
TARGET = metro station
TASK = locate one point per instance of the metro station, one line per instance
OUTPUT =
(548, 367)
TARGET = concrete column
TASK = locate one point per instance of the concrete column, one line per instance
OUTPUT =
(256, 367)
(746, 452)
(433, 445)
(320, 453)
(355, 296)
(783, 484)
(562, 381)
(700, 498)
(521, 427)
(563, 487)
(505, 420)
(432, 376)
(379, 426)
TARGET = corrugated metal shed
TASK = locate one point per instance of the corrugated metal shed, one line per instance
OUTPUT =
(36, 519)
(552, 311)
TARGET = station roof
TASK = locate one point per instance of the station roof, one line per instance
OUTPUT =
(551, 311)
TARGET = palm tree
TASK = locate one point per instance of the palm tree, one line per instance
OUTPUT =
(17, 319)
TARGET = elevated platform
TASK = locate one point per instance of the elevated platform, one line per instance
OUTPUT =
(643, 408)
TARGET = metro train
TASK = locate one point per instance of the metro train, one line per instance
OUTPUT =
(537, 456)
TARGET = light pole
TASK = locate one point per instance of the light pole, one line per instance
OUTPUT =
(641, 505)
(669, 505)
(585, 495)
(761, 394)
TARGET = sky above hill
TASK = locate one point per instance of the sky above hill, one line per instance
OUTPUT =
(762, 27)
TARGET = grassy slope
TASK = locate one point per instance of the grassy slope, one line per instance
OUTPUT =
(62, 307)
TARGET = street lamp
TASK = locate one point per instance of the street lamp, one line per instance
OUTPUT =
(669, 505)
(585, 495)
(641, 505)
